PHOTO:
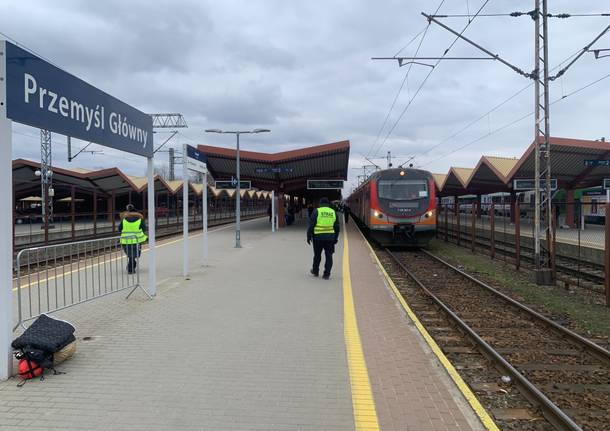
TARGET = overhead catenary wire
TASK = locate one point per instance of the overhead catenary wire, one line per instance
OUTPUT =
(518, 14)
(515, 121)
(404, 80)
(410, 102)
(493, 109)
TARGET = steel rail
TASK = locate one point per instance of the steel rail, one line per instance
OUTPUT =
(550, 411)
(595, 350)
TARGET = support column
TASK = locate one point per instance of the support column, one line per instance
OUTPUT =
(517, 235)
(607, 257)
(73, 211)
(94, 213)
(456, 210)
(112, 210)
(492, 229)
(513, 201)
(280, 210)
(479, 209)
(570, 209)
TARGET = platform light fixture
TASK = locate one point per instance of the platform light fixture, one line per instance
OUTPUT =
(237, 188)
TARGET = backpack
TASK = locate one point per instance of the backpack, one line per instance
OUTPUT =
(36, 346)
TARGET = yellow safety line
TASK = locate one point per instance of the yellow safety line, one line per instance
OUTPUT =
(365, 415)
(144, 250)
(479, 410)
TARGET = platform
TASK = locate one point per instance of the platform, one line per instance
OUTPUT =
(251, 342)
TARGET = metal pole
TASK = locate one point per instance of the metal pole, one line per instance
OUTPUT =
(607, 256)
(237, 201)
(272, 210)
(152, 261)
(172, 175)
(185, 216)
(205, 218)
(537, 120)
(6, 237)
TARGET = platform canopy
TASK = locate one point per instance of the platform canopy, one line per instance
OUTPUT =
(571, 165)
(287, 171)
(568, 163)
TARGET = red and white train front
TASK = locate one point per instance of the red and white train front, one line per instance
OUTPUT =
(397, 206)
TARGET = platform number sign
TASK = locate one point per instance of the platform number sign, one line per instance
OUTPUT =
(530, 184)
(324, 184)
(195, 159)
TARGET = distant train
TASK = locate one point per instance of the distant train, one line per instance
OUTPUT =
(397, 207)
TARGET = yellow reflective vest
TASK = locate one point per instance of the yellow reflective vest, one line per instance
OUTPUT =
(325, 222)
(132, 233)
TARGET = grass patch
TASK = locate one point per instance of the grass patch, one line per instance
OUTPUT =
(565, 307)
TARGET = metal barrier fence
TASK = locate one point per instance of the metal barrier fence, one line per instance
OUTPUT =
(55, 277)
(579, 239)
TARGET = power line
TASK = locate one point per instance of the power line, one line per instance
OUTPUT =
(520, 14)
(404, 80)
(495, 108)
(517, 120)
(428, 76)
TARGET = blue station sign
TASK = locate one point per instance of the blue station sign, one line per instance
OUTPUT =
(596, 162)
(195, 159)
(44, 96)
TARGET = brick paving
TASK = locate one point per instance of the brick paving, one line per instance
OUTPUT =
(251, 343)
(410, 387)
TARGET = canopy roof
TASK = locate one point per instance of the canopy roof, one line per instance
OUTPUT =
(496, 174)
(329, 161)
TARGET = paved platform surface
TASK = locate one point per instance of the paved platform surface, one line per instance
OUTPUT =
(412, 391)
(252, 342)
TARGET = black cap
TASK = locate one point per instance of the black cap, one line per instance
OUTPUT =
(324, 200)
(130, 207)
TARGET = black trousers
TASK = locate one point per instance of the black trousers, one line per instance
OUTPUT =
(329, 248)
(133, 252)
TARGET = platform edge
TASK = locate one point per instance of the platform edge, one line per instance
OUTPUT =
(363, 404)
(476, 406)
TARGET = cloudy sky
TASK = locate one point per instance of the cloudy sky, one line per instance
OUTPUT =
(304, 70)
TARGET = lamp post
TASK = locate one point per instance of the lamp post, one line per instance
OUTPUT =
(237, 188)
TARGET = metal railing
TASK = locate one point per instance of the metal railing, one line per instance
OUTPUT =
(580, 237)
(55, 277)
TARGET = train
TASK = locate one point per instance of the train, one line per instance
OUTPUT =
(396, 207)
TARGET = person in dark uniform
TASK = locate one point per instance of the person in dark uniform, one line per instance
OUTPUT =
(346, 213)
(323, 230)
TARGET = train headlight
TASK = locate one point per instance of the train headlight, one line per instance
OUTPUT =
(429, 214)
(376, 213)
(402, 173)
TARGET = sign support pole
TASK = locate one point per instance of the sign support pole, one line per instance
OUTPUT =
(205, 218)
(273, 211)
(6, 229)
(185, 217)
(152, 261)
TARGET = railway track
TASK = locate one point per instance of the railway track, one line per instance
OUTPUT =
(582, 273)
(530, 372)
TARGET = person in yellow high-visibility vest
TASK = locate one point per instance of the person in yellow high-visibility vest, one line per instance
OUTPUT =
(324, 232)
(132, 229)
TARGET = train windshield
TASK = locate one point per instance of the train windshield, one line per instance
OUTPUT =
(403, 190)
